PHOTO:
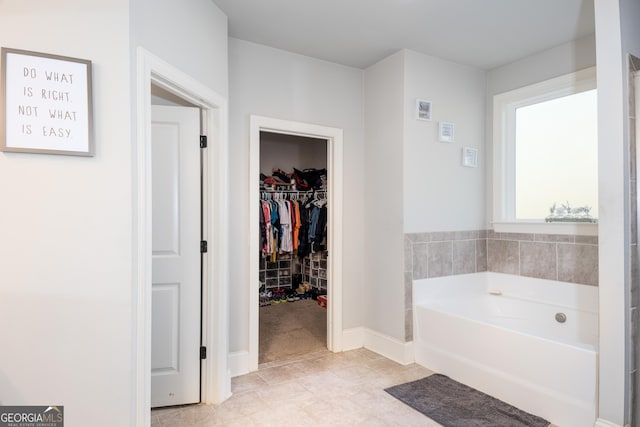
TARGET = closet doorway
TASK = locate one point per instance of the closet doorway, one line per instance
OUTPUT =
(308, 265)
(293, 246)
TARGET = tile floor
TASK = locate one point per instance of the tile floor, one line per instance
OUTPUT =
(319, 389)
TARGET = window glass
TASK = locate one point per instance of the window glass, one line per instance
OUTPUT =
(556, 155)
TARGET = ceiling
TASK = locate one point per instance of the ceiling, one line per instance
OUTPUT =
(359, 33)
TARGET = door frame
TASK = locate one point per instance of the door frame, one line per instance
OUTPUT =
(215, 378)
(333, 136)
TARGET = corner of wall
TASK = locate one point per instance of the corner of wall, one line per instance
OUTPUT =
(238, 363)
(383, 126)
(389, 347)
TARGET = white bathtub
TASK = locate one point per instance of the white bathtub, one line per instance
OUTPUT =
(498, 333)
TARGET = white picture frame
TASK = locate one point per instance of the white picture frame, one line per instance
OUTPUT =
(423, 110)
(46, 104)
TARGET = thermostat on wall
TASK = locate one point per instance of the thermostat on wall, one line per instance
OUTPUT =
(446, 131)
(470, 157)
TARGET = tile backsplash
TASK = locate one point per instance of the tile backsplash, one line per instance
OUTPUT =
(444, 254)
(566, 258)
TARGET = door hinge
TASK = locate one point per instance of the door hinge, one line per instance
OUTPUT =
(203, 247)
(203, 352)
(203, 141)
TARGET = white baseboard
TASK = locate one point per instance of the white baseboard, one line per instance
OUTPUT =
(604, 423)
(352, 339)
(391, 348)
(238, 363)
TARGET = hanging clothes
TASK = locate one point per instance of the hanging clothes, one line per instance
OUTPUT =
(275, 231)
(264, 232)
(303, 234)
(297, 225)
(286, 244)
(291, 226)
(318, 225)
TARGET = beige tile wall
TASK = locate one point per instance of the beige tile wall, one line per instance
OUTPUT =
(546, 256)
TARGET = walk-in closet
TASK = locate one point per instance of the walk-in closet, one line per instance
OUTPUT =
(293, 246)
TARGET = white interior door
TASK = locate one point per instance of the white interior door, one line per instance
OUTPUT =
(176, 291)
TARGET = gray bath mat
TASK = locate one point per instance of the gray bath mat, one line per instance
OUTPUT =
(456, 405)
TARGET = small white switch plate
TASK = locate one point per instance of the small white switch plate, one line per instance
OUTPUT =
(469, 157)
(446, 131)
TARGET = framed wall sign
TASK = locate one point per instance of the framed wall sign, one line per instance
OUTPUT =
(45, 104)
(423, 109)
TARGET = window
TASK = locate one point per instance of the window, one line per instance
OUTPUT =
(545, 155)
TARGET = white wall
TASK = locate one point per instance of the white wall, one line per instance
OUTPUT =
(384, 239)
(439, 193)
(191, 36)
(563, 59)
(274, 83)
(65, 245)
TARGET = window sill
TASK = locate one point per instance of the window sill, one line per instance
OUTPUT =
(573, 228)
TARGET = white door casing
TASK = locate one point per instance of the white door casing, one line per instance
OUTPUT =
(176, 235)
(216, 380)
(333, 136)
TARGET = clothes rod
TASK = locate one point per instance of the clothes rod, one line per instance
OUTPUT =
(293, 191)
(271, 194)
